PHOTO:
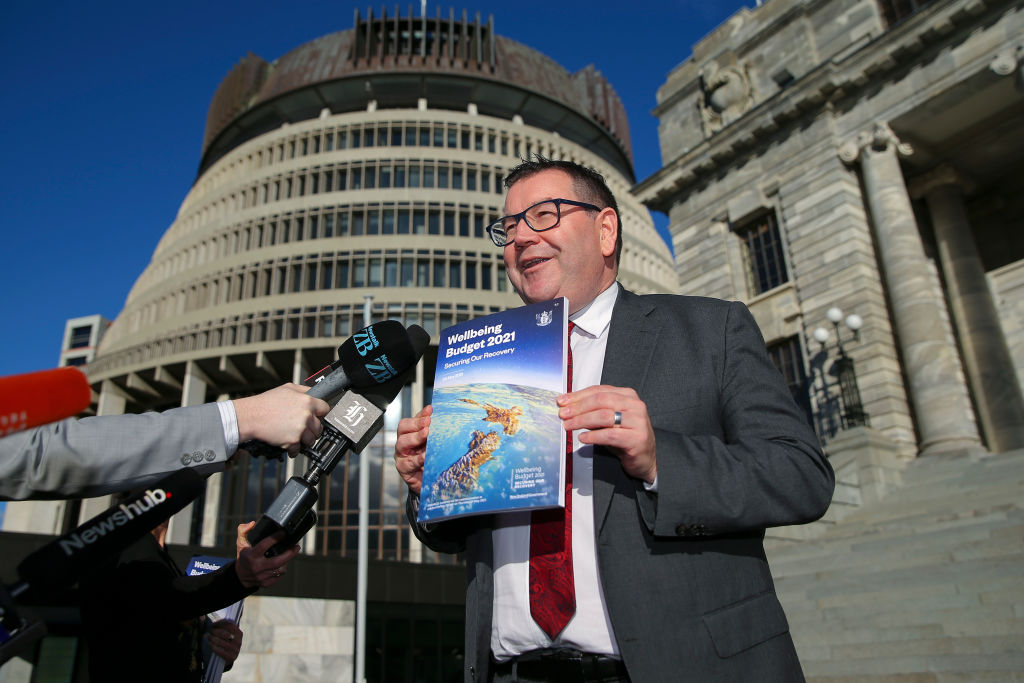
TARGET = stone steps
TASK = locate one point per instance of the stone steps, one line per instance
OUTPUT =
(924, 585)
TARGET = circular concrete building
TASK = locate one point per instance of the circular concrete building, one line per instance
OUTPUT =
(355, 175)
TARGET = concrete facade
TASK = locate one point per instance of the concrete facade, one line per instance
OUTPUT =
(82, 339)
(888, 148)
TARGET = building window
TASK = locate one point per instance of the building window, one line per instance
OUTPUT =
(762, 246)
(80, 337)
(895, 11)
(785, 355)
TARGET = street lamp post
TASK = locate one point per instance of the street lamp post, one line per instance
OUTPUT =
(849, 392)
(362, 536)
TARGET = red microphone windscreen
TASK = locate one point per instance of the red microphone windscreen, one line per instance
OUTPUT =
(37, 398)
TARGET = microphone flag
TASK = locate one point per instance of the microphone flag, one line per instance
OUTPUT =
(61, 562)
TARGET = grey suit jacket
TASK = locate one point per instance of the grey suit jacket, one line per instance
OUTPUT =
(685, 577)
(99, 455)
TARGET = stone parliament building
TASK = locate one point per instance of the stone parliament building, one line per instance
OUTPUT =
(864, 155)
(872, 161)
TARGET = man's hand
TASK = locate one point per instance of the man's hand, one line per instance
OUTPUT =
(284, 417)
(226, 640)
(632, 440)
(411, 447)
(252, 565)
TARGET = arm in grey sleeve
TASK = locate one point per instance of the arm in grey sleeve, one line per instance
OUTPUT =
(106, 454)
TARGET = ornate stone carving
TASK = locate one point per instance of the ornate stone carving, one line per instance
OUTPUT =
(1009, 62)
(878, 139)
(1004, 63)
(727, 93)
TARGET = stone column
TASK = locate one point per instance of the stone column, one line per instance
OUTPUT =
(942, 408)
(297, 465)
(112, 401)
(986, 355)
(193, 393)
(415, 546)
(211, 504)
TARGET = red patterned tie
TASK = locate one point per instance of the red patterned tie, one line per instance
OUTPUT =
(552, 594)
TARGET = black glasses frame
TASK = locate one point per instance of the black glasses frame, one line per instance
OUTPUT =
(499, 234)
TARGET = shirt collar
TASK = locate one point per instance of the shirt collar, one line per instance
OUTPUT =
(594, 318)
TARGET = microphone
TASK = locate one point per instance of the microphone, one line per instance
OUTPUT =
(351, 424)
(37, 398)
(60, 563)
(372, 356)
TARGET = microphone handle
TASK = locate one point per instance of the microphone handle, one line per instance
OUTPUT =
(330, 384)
(21, 639)
(268, 527)
(62, 561)
(291, 513)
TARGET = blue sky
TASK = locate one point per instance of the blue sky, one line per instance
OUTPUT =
(104, 106)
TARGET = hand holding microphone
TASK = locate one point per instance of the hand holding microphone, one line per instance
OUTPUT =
(377, 360)
(369, 358)
(252, 564)
(281, 418)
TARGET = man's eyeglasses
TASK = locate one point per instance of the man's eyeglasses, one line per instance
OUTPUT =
(539, 217)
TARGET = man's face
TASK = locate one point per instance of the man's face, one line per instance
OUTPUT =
(575, 259)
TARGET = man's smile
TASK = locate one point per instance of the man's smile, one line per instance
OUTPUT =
(530, 263)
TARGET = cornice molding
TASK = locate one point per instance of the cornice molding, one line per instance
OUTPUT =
(818, 91)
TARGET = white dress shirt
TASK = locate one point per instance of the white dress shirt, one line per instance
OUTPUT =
(513, 630)
(229, 421)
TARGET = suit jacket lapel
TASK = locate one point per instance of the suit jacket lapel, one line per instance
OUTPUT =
(632, 339)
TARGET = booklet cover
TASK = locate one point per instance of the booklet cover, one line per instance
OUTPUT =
(204, 564)
(496, 442)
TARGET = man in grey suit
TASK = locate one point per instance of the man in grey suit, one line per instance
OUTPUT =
(687, 446)
(107, 454)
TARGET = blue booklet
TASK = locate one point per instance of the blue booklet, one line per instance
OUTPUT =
(496, 442)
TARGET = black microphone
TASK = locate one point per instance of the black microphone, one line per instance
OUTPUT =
(59, 563)
(352, 423)
(372, 356)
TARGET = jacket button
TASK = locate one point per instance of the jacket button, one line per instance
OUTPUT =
(681, 530)
(186, 459)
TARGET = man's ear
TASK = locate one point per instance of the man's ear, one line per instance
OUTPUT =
(609, 222)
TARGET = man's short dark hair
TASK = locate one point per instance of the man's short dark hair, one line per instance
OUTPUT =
(588, 184)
